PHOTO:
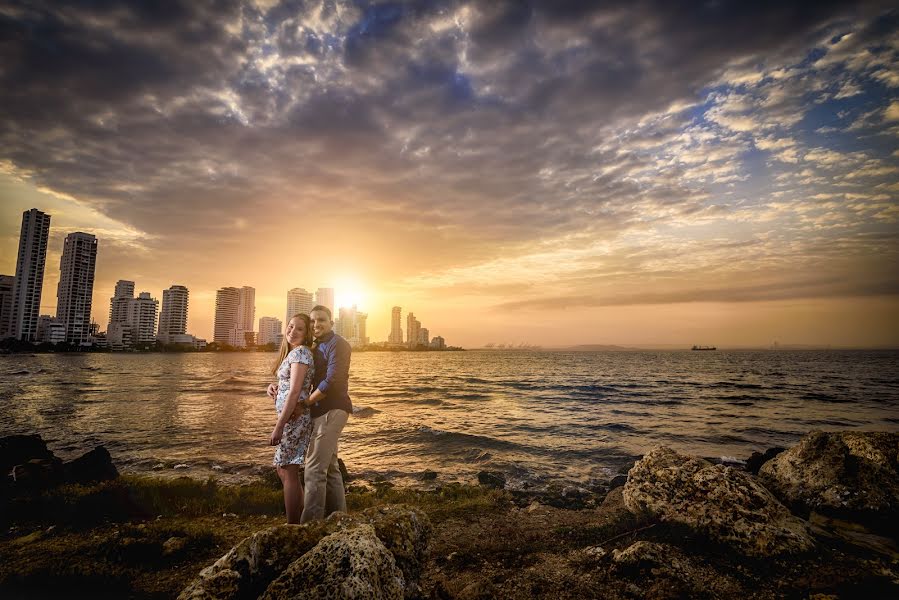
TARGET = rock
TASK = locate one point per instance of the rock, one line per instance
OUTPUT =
(37, 474)
(181, 466)
(92, 466)
(757, 459)
(725, 504)
(352, 563)
(492, 479)
(844, 474)
(173, 545)
(428, 475)
(250, 567)
(617, 481)
(19, 449)
(669, 573)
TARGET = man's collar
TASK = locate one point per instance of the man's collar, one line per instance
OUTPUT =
(325, 337)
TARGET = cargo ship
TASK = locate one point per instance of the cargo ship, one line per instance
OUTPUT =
(703, 348)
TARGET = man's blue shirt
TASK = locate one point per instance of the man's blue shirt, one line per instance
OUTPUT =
(332, 373)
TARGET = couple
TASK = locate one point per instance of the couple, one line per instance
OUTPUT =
(312, 374)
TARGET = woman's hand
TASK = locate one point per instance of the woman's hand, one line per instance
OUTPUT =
(272, 390)
(275, 439)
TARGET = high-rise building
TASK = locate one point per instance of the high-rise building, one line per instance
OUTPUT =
(423, 339)
(325, 297)
(298, 301)
(246, 308)
(351, 326)
(76, 286)
(269, 328)
(118, 304)
(413, 327)
(438, 343)
(227, 301)
(50, 330)
(142, 316)
(7, 285)
(26, 301)
(396, 332)
(173, 317)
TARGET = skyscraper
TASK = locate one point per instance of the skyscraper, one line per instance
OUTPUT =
(351, 326)
(413, 327)
(325, 297)
(270, 329)
(246, 308)
(76, 286)
(227, 301)
(173, 317)
(26, 302)
(298, 301)
(396, 332)
(7, 285)
(118, 304)
(142, 316)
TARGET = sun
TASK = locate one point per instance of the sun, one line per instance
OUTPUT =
(350, 291)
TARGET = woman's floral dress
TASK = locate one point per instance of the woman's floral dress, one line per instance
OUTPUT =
(292, 449)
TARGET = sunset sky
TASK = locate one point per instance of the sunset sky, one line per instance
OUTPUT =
(555, 173)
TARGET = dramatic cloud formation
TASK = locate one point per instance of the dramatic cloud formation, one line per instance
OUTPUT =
(508, 159)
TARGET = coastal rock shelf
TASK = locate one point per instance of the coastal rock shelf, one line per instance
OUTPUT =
(386, 545)
(725, 504)
(844, 474)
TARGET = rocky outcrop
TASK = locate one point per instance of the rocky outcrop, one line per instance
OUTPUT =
(19, 449)
(845, 474)
(352, 563)
(92, 466)
(757, 459)
(723, 503)
(253, 564)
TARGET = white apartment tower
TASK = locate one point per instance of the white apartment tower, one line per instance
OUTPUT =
(269, 331)
(298, 301)
(351, 326)
(76, 286)
(142, 317)
(413, 327)
(227, 301)
(396, 332)
(26, 295)
(118, 304)
(173, 317)
(325, 297)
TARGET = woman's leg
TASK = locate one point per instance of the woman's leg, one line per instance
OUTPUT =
(293, 492)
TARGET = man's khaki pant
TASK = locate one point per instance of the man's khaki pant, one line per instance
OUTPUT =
(324, 486)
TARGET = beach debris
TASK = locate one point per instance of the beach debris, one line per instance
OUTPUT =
(352, 563)
(217, 467)
(725, 504)
(181, 466)
(843, 474)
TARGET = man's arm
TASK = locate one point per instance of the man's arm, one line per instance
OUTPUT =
(338, 371)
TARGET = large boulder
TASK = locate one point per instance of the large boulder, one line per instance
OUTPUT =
(352, 563)
(723, 503)
(90, 467)
(19, 449)
(842, 474)
(250, 567)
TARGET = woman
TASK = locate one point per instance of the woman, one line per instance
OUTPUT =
(294, 368)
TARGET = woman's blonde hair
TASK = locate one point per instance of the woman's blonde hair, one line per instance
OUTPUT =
(285, 346)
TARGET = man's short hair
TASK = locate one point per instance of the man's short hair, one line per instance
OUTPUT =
(324, 309)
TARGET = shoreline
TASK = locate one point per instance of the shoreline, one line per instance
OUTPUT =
(144, 536)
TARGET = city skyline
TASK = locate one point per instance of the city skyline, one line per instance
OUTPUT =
(548, 173)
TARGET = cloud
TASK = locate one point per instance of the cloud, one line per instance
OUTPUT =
(456, 142)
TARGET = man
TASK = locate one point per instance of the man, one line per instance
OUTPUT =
(330, 407)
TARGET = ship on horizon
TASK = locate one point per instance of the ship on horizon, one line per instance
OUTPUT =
(703, 348)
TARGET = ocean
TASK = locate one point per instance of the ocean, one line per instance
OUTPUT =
(566, 418)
